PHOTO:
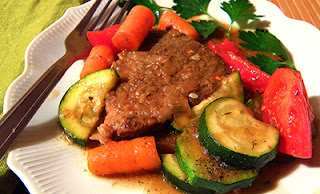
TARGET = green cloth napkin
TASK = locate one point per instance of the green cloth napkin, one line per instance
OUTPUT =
(20, 22)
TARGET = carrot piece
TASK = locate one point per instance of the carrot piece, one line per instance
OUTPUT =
(134, 29)
(126, 156)
(171, 20)
(100, 57)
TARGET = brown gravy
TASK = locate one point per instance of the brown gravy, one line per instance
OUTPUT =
(150, 182)
(154, 182)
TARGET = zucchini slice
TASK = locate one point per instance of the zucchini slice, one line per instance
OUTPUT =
(207, 171)
(255, 105)
(83, 103)
(232, 86)
(176, 176)
(229, 130)
(181, 120)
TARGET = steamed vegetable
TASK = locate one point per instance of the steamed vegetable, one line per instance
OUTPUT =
(173, 173)
(100, 57)
(126, 156)
(147, 3)
(82, 105)
(231, 87)
(104, 37)
(134, 29)
(255, 105)
(250, 143)
(228, 129)
(253, 78)
(171, 20)
(207, 171)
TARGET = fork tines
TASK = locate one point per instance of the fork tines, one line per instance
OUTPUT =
(109, 10)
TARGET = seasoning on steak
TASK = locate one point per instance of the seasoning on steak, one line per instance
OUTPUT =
(156, 84)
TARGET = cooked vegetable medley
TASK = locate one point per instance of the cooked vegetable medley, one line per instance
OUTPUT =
(228, 108)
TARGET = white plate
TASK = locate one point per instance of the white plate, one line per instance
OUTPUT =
(46, 163)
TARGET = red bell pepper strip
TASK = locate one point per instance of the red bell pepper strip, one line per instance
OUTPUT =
(225, 46)
(254, 79)
(286, 106)
(104, 37)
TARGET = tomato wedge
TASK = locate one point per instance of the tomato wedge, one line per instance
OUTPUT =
(286, 106)
(254, 79)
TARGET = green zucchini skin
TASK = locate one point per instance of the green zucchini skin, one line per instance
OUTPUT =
(180, 122)
(81, 106)
(231, 86)
(208, 171)
(177, 177)
(255, 105)
(254, 143)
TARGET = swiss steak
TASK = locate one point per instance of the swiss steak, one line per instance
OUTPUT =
(170, 74)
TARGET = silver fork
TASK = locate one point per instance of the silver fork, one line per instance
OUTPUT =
(19, 115)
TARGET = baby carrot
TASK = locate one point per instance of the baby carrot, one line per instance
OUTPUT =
(100, 57)
(134, 29)
(171, 20)
(126, 156)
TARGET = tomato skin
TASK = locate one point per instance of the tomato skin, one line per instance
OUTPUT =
(286, 106)
(104, 37)
(254, 79)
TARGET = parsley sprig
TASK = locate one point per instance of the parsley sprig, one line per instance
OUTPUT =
(188, 8)
(236, 9)
(239, 9)
(264, 41)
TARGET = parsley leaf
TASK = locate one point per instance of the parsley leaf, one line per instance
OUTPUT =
(204, 27)
(188, 8)
(266, 64)
(264, 41)
(238, 9)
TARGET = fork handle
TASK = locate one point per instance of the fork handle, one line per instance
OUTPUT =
(19, 115)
